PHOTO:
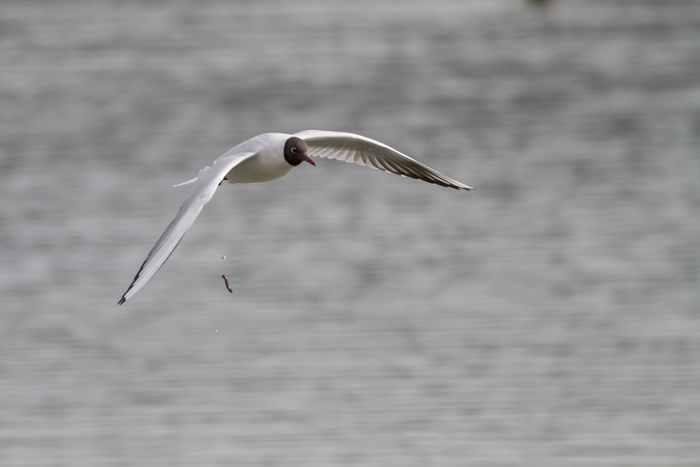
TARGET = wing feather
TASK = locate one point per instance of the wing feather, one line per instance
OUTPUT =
(361, 150)
(205, 186)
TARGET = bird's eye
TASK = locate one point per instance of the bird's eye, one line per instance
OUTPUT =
(294, 150)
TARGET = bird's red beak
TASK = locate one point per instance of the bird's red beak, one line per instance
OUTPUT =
(310, 161)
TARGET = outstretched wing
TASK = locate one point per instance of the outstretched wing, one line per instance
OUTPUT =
(358, 149)
(203, 190)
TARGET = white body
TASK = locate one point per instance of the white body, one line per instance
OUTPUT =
(261, 159)
(267, 165)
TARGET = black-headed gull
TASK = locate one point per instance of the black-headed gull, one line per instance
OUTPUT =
(270, 156)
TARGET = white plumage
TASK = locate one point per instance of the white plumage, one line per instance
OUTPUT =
(270, 156)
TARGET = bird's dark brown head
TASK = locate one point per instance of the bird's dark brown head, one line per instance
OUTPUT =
(295, 152)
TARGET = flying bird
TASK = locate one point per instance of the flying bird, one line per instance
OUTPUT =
(273, 155)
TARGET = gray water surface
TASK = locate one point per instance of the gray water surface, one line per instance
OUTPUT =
(550, 318)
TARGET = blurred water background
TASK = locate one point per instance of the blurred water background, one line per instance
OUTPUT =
(550, 318)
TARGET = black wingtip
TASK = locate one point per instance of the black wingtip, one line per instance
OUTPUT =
(120, 302)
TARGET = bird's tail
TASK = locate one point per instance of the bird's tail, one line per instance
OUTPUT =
(188, 182)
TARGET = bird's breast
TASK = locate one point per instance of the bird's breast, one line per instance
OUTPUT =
(260, 168)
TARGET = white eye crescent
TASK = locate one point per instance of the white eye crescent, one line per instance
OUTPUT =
(295, 150)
